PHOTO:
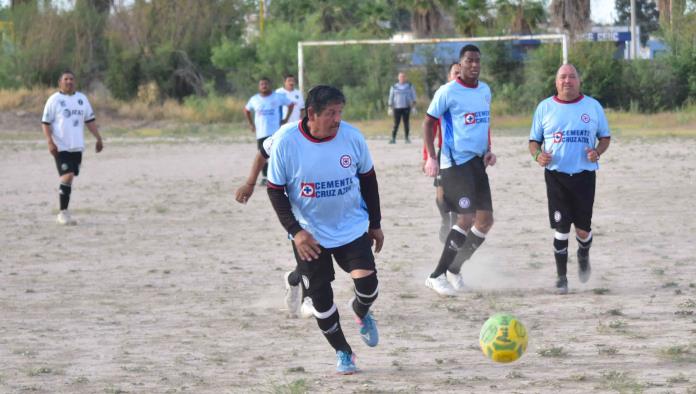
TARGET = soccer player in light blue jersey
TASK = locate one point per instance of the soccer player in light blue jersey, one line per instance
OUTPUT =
(267, 107)
(323, 187)
(569, 133)
(464, 107)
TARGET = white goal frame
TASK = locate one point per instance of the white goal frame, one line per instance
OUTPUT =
(301, 44)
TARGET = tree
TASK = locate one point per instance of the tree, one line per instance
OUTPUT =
(518, 17)
(572, 16)
(473, 17)
(429, 18)
(647, 16)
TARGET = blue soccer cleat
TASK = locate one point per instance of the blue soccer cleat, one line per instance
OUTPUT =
(345, 363)
(368, 327)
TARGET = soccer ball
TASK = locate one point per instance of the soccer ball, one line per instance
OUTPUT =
(503, 338)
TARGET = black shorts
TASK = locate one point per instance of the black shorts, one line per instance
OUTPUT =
(351, 256)
(571, 198)
(466, 187)
(67, 162)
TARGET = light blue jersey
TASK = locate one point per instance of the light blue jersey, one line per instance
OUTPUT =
(465, 114)
(268, 112)
(566, 129)
(321, 180)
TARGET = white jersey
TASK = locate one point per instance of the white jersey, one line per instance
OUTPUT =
(267, 112)
(321, 180)
(67, 115)
(567, 130)
(296, 97)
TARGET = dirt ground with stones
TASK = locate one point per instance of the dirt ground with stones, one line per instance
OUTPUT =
(167, 285)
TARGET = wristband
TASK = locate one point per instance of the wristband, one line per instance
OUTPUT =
(538, 152)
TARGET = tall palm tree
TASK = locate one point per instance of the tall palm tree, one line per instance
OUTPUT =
(572, 16)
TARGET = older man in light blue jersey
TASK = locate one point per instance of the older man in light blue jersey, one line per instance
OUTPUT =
(463, 105)
(569, 134)
(323, 187)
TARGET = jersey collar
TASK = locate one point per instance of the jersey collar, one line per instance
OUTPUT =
(466, 85)
(304, 129)
(558, 100)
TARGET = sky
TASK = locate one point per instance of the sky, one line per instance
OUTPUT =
(602, 10)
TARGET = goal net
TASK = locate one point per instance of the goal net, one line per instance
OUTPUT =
(365, 69)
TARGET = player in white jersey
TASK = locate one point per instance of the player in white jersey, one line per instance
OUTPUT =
(569, 133)
(295, 96)
(464, 106)
(322, 185)
(65, 115)
(294, 291)
(268, 115)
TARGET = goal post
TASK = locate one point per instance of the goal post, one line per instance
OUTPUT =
(542, 37)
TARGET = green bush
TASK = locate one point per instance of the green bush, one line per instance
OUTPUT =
(651, 86)
(600, 72)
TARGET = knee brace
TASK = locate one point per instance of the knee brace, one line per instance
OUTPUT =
(322, 298)
(560, 243)
(366, 289)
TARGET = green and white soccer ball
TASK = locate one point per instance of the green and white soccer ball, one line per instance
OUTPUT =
(503, 338)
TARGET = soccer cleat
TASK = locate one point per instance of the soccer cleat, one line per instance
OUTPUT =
(292, 296)
(441, 286)
(65, 219)
(307, 308)
(368, 326)
(584, 268)
(392, 141)
(456, 281)
(345, 363)
(562, 285)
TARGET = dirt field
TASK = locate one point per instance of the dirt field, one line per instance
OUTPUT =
(167, 285)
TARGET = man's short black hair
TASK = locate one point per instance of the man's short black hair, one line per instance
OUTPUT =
(321, 96)
(468, 48)
(288, 76)
(265, 79)
(66, 71)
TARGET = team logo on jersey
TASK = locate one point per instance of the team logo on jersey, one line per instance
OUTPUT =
(79, 101)
(470, 118)
(346, 161)
(464, 202)
(557, 137)
(62, 103)
(308, 189)
(585, 118)
(66, 113)
(557, 216)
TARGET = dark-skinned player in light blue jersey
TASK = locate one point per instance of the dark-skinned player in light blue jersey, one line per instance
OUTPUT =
(569, 133)
(323, 187)
(464, 108)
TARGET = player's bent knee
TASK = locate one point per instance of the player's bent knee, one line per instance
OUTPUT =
(360, 273)
(366, 289)
(322, 296)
